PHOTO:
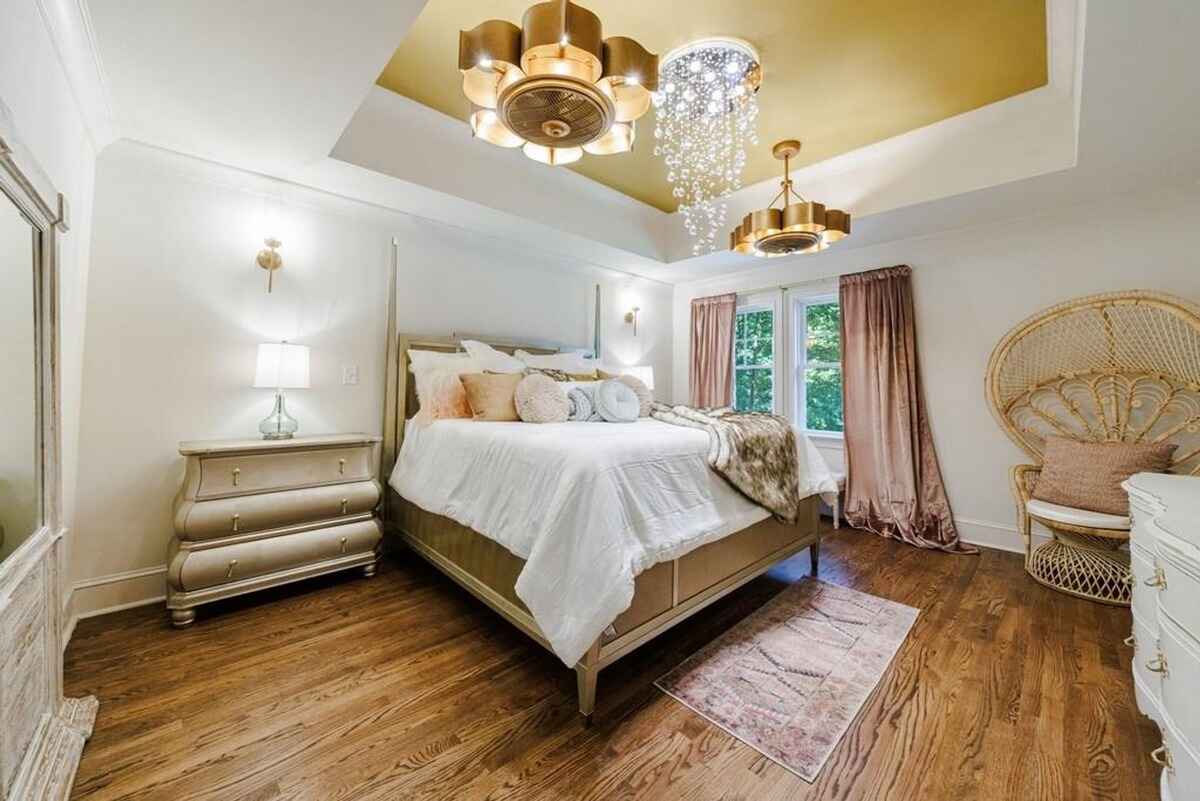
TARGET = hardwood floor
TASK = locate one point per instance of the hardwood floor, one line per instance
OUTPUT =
(404, 687)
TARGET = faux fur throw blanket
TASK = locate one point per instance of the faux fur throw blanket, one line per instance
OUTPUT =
(754, 452)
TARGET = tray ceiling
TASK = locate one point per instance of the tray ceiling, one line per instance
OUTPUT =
(838, 76)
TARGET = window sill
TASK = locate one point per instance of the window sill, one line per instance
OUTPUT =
(826, 437)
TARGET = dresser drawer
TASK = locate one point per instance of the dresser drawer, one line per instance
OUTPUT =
(1183, 777)
(1181, 682)
(1145, 649)
(1179, 595)
(198, 569)
(1145, 597)
(225, 517)
(224, 476)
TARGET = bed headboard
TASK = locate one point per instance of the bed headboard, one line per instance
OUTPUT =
(400, 400)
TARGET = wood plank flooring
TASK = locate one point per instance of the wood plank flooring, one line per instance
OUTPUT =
(404, 687)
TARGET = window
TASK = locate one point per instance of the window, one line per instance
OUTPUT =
(754, 358)
(818, 352)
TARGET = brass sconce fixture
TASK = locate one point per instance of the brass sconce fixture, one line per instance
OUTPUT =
(632, 317)
(269, 259)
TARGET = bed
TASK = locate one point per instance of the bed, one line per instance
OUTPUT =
(728, 544)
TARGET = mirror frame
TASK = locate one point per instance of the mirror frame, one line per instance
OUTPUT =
(19, 183)
(50, 730)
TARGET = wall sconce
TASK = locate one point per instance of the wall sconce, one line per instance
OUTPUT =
(631, 317)
(269, 259)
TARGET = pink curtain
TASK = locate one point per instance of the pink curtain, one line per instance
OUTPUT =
(711, 375)
(893, 482)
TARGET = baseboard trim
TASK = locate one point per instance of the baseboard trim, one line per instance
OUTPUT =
(989, 534)
(115, 592)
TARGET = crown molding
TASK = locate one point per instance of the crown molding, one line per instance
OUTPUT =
(69, 24)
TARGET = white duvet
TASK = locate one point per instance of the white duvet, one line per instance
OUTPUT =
(589, 506)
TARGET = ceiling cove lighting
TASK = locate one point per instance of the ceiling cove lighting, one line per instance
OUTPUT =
(707, 109)
(795, 227)
(554, 87)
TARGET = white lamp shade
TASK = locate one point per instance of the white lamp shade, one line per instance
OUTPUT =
(282, 365)
(644, 373)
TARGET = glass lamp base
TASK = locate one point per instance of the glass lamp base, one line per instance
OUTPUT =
(279, 424)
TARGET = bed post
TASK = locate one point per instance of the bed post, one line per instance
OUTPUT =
(587, 669)
(392, 398)
(814, 554)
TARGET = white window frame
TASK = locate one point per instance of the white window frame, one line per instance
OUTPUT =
(799, 301)
(762, 301)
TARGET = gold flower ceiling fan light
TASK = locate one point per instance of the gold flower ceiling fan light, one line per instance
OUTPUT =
(799, 227)
(554, 87)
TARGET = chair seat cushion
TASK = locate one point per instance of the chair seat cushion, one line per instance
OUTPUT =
(1076, 517)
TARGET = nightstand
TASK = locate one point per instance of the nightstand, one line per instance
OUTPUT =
(255, 513)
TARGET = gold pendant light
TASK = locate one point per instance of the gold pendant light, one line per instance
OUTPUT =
(554, 87)
(794, 227)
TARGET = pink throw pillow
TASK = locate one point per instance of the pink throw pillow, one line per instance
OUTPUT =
(447, 399)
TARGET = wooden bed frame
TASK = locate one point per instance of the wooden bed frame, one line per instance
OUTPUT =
(664, 595)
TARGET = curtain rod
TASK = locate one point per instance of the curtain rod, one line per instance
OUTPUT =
(833, 280)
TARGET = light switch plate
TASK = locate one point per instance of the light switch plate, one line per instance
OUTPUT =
(350, 374)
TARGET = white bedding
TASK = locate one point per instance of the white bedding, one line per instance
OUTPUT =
(589, 506)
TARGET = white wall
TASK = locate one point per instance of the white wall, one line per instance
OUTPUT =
(48, 109)
(971, 286)
(176, 308)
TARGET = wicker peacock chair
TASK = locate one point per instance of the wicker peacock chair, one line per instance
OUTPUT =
(1123, 366)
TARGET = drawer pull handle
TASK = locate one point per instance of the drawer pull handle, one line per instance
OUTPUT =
(1161, 756)
(345, 505)
(1130, 641)
(1159, 580)
(237, 474)
(343, 544)
(229, 570)
(236, 520)
(1158, 665)
(341, 467)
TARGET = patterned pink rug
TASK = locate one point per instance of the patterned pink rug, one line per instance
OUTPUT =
(789, 680)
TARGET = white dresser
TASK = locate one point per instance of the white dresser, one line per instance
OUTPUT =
(1165, 560)
(257, 513)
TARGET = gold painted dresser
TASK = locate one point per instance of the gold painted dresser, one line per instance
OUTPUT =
(255, 513)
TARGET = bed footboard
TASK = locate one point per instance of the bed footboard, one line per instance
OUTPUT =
(664, 595)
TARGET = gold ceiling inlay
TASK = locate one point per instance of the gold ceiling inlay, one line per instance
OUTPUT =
(847, 74)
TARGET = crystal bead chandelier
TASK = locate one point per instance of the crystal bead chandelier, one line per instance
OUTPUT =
(795, 227)
(707, 107)
(554, 87)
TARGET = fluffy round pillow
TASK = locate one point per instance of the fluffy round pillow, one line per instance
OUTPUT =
(540, 399)
(644, 395)
(617, 402)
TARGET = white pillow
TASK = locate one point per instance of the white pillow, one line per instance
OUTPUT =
(425, 359)
(616, 402)
(567, 362)
(493, 361)
(644, 395)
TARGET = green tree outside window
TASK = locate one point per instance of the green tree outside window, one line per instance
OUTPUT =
(754, 360)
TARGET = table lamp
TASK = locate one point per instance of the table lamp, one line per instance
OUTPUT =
(281, 366)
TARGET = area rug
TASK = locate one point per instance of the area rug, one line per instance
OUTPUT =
(789, 679)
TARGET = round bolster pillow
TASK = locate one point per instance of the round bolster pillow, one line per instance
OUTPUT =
(539, 399)
(616, 402)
